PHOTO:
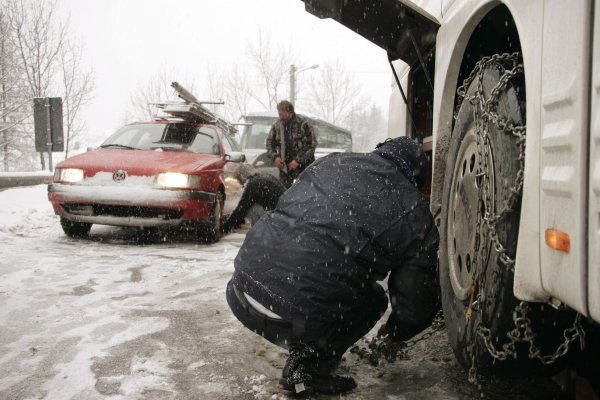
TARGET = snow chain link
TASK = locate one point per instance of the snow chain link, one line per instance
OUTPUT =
(437, 325)
(485, 116)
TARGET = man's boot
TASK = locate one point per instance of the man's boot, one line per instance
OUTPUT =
(305, 371)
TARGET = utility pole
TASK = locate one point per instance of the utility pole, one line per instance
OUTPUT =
(293, 72)
(293, 84)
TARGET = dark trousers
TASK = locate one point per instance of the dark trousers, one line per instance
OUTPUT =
(261, 189)
(287, 179)
(330, 339)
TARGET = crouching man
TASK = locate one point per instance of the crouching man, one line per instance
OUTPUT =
(306, 275)
(261, 193)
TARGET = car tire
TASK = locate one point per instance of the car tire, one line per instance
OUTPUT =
(215, 232)
(75, 229)
(463, 231)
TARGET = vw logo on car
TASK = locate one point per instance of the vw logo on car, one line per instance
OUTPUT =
(119, 175)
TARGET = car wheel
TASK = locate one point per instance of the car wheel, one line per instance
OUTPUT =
(485, 167)
(216, 218)
(75, 229)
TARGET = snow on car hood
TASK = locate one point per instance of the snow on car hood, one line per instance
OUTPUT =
(141, 162)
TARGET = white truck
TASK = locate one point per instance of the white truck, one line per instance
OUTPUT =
(506, 95)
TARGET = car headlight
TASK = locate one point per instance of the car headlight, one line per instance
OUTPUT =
(68, 175)
(177, 180)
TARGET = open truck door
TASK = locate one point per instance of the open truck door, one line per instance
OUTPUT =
(401, 28)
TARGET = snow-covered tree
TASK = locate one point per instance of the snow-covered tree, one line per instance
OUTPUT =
(12, 99)
(77, 84)
(38, 59)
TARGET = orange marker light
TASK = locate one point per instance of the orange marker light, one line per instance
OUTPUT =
(558, 240)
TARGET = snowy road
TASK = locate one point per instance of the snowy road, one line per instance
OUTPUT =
(113, 317)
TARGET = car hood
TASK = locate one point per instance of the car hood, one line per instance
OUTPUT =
(141, 162)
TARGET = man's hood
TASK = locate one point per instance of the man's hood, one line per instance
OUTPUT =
(408, 155)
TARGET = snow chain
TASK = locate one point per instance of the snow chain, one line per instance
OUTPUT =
(437, 325)
(485, 116)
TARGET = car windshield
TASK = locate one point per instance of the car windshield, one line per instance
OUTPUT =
(182, 137)
(255, 135)
(334, 138)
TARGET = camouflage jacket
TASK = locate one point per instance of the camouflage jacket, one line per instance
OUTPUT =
(302, 137)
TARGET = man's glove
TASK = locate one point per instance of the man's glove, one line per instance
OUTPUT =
(382, 347)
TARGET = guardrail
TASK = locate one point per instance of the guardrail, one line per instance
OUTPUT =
(9, 180)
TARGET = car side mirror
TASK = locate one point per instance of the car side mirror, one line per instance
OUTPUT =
(235, 156)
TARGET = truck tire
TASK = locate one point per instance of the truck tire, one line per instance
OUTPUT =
(473, 277)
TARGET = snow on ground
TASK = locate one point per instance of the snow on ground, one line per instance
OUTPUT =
(22, 209)
(115, 316)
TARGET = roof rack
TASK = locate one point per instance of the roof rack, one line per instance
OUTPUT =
(193, 110)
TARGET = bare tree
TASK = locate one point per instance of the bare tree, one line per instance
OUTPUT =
(238, 92)
(367, 124)
(77, 85)
(12, 99)
(329, 93)
(216, 89)
(271, 65)
(232, 89)
(157, 89)
(41, 60)
(39, 35)
(332, 92)
(256, 82)
(335, 97)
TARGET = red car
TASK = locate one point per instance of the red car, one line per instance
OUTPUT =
(164, 173)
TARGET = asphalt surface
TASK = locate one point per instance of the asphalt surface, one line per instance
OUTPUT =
(122, 315)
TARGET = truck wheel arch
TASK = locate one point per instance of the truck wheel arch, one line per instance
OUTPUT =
(472, 44)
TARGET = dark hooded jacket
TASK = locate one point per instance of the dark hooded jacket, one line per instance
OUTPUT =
(348, 221)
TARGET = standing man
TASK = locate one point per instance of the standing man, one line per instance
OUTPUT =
(306, 275)
(291, 143)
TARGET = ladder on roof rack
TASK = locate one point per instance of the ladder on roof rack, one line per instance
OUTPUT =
(192, 110)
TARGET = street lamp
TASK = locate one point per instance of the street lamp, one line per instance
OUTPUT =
(293, 72)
